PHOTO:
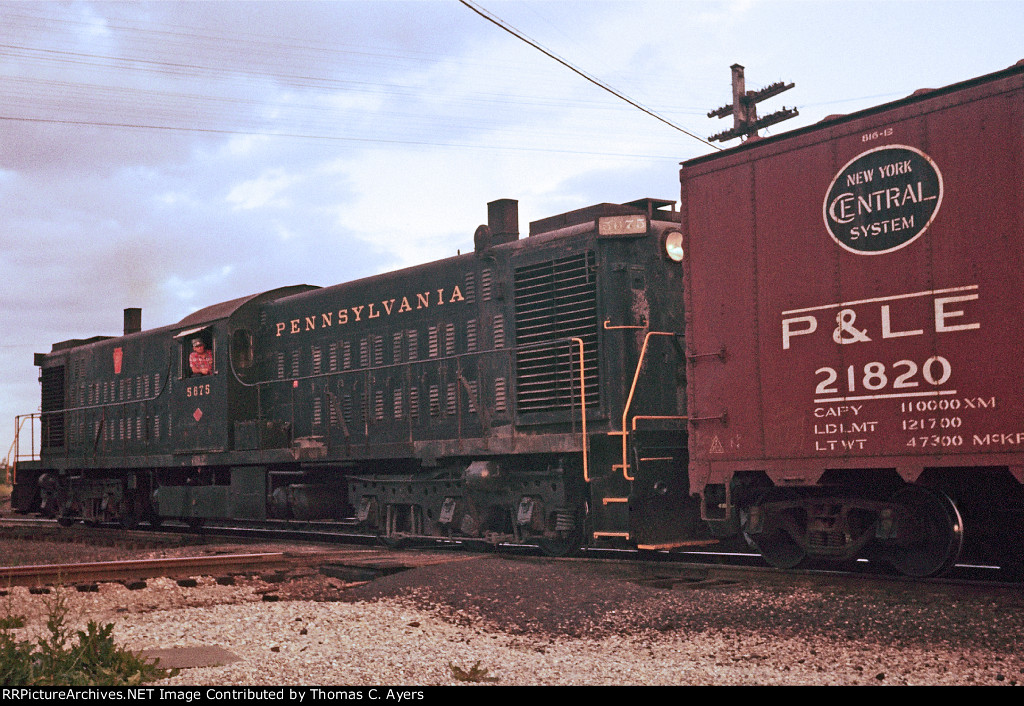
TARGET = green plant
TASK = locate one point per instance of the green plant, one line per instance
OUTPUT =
(475, 673)
(94, 660)
(8, 622)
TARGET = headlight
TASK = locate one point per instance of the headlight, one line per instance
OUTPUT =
(673, 242)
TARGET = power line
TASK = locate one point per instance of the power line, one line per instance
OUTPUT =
(494, 19)
(306, 136)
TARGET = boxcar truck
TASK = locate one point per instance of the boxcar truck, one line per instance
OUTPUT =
(855, 307)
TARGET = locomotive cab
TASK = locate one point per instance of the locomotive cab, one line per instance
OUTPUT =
(199, 390)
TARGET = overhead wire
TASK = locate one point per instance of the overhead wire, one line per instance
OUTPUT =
(339, 138)
(494, 19)
(135, 102)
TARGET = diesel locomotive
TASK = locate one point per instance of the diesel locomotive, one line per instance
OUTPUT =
(817, 352)
(481, 396)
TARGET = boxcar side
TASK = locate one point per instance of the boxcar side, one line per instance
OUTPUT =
(863, 277)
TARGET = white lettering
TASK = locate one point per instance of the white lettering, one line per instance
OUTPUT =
(941, 314)
(788, 332)
(887, 331)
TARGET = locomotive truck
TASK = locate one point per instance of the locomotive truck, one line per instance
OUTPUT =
(817, 352)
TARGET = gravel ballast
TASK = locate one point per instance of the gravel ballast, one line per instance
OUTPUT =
(522, 622)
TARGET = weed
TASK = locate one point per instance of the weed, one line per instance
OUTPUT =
(475, 673)
(95, 659)
(9, 622)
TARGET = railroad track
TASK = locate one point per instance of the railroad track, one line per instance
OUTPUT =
(365, 559)
(136, 569)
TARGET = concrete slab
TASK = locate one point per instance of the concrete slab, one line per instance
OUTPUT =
(189, 657)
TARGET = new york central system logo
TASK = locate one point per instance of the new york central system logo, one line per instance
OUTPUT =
(883, 200)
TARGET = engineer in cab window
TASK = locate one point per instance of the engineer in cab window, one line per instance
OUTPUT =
(200, 360)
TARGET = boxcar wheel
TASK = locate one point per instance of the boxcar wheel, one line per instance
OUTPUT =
(934, 536)
(779, 549)
(776, 546)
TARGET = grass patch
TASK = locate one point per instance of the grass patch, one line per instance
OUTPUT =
(67, 657)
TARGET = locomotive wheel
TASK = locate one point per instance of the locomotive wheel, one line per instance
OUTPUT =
(129, 513)
(935, 535)
(393, 542)
(566, 543)
(399, 522)
(194, 523)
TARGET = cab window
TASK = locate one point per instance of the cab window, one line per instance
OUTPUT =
(197, 358)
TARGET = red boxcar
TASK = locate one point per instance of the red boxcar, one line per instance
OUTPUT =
(855, 318)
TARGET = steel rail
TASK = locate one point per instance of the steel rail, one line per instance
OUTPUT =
(30, 575)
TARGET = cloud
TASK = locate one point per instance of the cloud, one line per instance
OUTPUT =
(265, 191)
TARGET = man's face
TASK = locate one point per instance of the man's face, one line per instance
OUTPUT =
(198, 346)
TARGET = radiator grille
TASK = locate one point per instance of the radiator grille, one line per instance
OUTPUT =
(53, 399)
(555, 301)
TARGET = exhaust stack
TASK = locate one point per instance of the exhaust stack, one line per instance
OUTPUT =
(132, 321)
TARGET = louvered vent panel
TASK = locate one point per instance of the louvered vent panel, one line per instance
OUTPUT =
(346, 408)
(486, 278)
(53, 399)
(414, 351)
(378, 350)
(499, 331)
(555, 301)
(500, 404)
(435, 401)
(452, 400)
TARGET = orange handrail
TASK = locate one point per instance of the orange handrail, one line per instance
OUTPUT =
(583, 409)
(629, 398)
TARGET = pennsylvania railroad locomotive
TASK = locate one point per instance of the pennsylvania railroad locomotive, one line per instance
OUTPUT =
(819, 352)
(479, 396)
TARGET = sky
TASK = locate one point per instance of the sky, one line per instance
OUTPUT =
(172, 155)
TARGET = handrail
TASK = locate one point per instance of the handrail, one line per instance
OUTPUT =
(107, 405)
(15, 449)
(629, 398)
(583, 408)
(658, 417)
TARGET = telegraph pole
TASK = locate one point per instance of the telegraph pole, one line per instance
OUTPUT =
(743, 109)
